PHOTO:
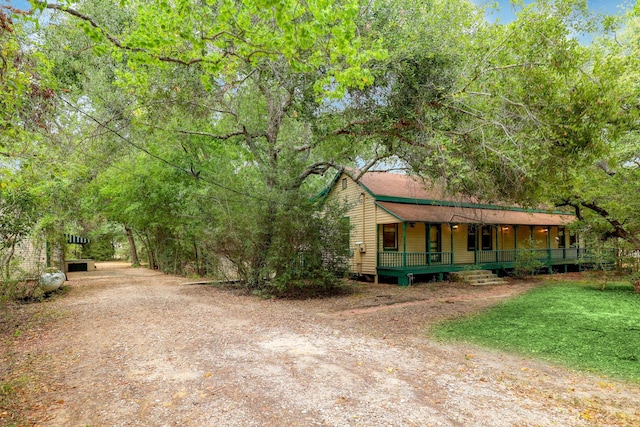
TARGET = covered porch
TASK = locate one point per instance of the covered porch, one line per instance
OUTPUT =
(429, 239)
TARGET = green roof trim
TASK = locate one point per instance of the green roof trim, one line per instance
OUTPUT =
(389, 212)
(322, 196)
(446, 203)
(371, 193)
(428, 202)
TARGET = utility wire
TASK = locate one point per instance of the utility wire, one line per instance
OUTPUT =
(107, 163)
(155, 156)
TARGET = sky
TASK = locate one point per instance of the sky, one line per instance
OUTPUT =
(20, 4)
(506, 13)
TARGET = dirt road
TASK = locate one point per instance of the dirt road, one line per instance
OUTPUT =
(131, 347)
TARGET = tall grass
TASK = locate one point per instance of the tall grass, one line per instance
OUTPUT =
(575, 324)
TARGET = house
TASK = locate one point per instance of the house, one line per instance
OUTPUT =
(28, 257)
(402, 227)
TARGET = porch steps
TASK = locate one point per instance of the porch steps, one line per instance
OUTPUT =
(479, 278)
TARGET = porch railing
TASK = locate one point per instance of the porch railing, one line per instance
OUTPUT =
(413, 259)
(425, 259)
(512, 255)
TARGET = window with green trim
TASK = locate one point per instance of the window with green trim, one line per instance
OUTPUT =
(471, 237)
(562, 242)
(390, 237)
(487, 237)
(435, 238)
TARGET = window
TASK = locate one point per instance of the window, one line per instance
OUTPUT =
(561, 238)
(390, 236)
(573, 240)
(487, 237)
(483, 241)
(471, 237)
(344, 183)
(434, 243)
(435, 240)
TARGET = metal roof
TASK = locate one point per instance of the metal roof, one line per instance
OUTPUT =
(465, 215)
(407, 187)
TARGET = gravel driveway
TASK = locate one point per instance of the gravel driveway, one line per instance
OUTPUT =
(132, 347)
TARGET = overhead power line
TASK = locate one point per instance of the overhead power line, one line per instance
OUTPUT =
(157, 157)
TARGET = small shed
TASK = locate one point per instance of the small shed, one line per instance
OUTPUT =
(74, 265)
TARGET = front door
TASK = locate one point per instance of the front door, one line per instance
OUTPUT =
(434, 242)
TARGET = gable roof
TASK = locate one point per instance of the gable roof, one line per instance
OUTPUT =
(411, 198)
(403, 186)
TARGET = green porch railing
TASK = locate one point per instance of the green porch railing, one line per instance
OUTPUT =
(414, 259)
(425, 259)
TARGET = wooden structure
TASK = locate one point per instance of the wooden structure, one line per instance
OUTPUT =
(402, 227)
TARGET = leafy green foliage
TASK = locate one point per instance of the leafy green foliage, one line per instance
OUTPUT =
(26, 92)
(203, 127)
(308, 248)
(572, 323)
(528, 260)
(103, 242)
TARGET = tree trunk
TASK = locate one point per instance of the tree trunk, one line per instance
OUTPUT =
(259, 260)
(6, 262)
(135, 262)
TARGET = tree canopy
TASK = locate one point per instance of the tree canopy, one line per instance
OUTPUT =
(205, 128)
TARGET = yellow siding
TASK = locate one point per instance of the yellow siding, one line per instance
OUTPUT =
(361, 213)
(366, 221)
(506, 236)
(384, 217)
(540, 236)
(524, 236)
(460, 253)
(416, 238)
(446, 238)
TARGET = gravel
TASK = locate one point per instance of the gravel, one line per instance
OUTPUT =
(132, 347)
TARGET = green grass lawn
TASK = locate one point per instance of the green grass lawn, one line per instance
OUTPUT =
(575, 324)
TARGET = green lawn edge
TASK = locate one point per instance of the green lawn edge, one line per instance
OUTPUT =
(570, 323)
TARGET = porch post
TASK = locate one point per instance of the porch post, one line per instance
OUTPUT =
(478, 235)
(451, 235)
(404, 245)
(377, 248)
(550, 269)
(428, 227)
(498, 236)
(515, 243)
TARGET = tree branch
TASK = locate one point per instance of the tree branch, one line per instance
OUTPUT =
(113, 40)
(575, 206)
(353, 132)
(618, 227)
(602, 164)
(222, 137)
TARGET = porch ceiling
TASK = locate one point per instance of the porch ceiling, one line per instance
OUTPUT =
(445, 214)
